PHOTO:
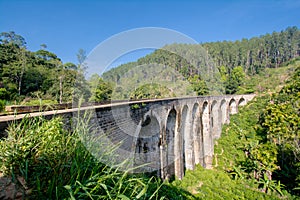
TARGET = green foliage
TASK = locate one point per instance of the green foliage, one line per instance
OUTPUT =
(36, 150)
(3, 93)
(215, 184)
(198, 85)
(3, 96)
(151, 91)
(280, 124)
(34, 102)
(135, 106)
(247, 156)
(23, 72)
(261, 144)
(232, 80)
(237, 76)
(12, 38)
(268, 80)
(257, 53)
(101, 90)
(237, 62)
(2, 105)
(268, 185)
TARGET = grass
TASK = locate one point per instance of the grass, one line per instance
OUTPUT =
(40, 102)
(217, 184)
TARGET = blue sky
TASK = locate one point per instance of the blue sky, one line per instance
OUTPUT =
(66, 26)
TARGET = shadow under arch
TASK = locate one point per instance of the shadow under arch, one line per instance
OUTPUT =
(232, 106)
(147, 149)
(180, 143)
(242, 102)
(224, 113)
(169, 167)
(197, 135)
(215, 120)
(207, 138)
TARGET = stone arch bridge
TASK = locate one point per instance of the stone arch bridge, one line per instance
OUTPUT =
(171, 135)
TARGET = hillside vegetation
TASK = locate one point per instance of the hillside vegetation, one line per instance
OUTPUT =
(208, 68)
(213, 68)
(258, 154)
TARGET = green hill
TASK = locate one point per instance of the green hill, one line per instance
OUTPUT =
(209, 68)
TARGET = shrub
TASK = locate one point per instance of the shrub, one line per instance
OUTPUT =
(3, 93)
(2, 105)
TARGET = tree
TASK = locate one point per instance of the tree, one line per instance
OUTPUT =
(12, 38)
(14, 70)
(14, 55)
(280, 124)
(81, 56)
(151, 91)
(101, 91)
(198, 85)
(234, 80)
(43, 46)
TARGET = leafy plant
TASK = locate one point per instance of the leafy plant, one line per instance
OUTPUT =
(2, 105)
(268, 185)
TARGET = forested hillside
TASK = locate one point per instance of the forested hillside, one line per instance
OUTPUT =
(234, 61)
(266, 51)
(208, 68)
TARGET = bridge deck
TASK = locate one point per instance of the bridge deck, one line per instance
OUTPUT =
(16, 116)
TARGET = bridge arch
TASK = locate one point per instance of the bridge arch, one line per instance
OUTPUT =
(223, 109)
(169, 167)
(197, 135)
(148, 144)
(180, 141)
(207, 137)
(215, 119)
(242, 102)
(188, 138)
(232, 106)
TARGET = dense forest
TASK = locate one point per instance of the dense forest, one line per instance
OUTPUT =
(209, 68)
(232, 60)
